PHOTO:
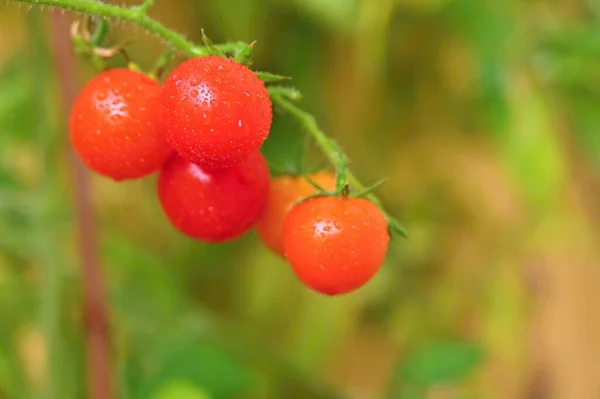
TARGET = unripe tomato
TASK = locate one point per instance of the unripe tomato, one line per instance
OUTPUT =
(285, 192)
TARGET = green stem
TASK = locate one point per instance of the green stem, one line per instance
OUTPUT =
(138, 16)
(328, 146)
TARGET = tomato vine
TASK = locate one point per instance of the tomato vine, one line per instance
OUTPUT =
(283, 97)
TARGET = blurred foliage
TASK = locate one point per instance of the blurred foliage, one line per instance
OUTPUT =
(483, 115)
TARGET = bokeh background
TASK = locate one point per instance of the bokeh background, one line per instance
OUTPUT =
(482, 113)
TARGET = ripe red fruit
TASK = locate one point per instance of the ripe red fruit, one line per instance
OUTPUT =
(214, 205)
(114, 126)
(335, 245)
(285, 192)
(216, 112)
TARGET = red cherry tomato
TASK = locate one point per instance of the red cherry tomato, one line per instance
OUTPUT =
(335, 245)
(214, 205)
(285, 192)
(114, 127)
(216, 112)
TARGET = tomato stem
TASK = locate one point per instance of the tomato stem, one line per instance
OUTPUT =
(162, 64)
(145, 6)
(138, 16)
(330, 148)
(345, 191)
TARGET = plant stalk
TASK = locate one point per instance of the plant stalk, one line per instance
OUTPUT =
(95, 312)
(138, 16)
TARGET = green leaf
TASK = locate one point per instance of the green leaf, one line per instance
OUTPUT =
(371, 188)
(289, 93)
(180, 389)
(200, 364)
(214, 50)
(244, 57)
(397, 228)
(441, 363)
(269, 77)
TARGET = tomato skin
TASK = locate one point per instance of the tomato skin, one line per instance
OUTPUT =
(114, 125)
(285, 191)
(335, 245)
(216, 112)
(214, 205)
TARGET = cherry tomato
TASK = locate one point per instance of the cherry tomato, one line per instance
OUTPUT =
(114, 126)
(285, 192)
(216, 112)
(335, 245)
(214, 205)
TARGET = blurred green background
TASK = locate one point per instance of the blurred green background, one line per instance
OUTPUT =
(484, 115)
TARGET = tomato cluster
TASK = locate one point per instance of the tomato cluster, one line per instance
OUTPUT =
(202, 131)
